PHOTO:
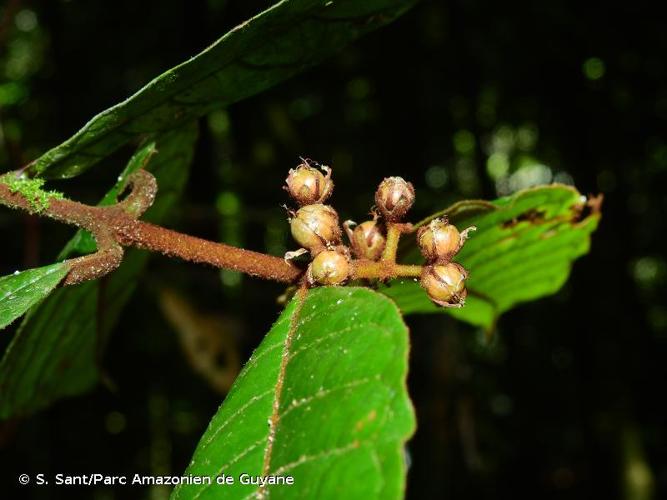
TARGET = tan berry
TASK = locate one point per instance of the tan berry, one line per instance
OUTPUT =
(315, 227)
(367, 239)
(307, 185)
(394, 197)
(328, 268)
(445, 284)
(439, 241)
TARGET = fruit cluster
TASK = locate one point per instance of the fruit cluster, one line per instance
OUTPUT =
(443, 279)
(373, 243)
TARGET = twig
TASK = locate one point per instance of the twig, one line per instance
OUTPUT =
(116, 226)
(369, 269)
(394, 232)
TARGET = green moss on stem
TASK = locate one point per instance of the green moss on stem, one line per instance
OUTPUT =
(31, 189)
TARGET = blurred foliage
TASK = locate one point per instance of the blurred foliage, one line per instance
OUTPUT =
(466, 100)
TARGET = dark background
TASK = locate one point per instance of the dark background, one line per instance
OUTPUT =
(463, 98)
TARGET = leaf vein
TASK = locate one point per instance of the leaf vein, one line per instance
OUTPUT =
(231, 417)
(338, 332)
(326, 392)
(274, 418)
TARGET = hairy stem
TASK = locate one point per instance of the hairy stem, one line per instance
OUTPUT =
(394, 231)
(174, 244)
(117, 226)
(369, 269)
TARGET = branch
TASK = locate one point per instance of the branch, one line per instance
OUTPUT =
(158, 239)
(383, 270)
(117, 226)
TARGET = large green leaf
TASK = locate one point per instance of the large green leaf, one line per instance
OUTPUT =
(22, 290)
(523, 249)
(55, 352)
(282, 41)
(323, 399)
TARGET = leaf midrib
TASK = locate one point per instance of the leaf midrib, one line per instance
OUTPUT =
(274, 419)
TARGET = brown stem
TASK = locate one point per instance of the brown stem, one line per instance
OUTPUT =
(158, 239)
(116, 226)
(369, 269)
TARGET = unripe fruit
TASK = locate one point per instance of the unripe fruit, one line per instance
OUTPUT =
(445, 284)
(328, 268)
(439, 240)
(394, 197)
(307, 185)
(367, 239)
(315, 227)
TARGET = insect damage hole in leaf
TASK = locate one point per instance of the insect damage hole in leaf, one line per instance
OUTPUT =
(533, 216)
(323, 399)
(523, 249)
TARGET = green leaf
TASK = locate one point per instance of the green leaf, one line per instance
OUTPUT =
(22, 290)
(56, 351)
(322, 399)
(523, 249)
(284, 40)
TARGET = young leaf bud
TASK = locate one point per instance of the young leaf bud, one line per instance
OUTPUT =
(328, 268)
(315, 227)
(445, 284)
(439, 240)
(367, 239)
(394, 197)
(307, 185)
